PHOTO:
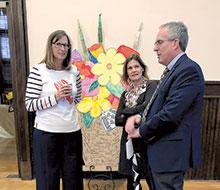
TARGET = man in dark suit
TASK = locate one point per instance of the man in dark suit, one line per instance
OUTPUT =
(171, 123)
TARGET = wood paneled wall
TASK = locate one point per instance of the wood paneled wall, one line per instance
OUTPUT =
(210, 168)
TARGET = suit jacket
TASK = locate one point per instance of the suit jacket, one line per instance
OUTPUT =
(121, 116)
(174, 119)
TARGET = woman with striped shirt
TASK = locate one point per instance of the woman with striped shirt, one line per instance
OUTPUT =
(53, 90)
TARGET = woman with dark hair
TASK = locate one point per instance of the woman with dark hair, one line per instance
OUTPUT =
(53, 90)
(133, 101)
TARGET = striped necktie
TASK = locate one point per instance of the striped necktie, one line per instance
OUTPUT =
(164, 74)
(153, 96)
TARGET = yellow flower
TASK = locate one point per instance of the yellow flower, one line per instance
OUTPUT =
(9, 95)
(109, 67)
(95, 104)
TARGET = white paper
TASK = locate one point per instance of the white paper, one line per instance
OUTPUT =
(129, 149)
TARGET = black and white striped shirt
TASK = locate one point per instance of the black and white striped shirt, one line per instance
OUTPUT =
(42, 85)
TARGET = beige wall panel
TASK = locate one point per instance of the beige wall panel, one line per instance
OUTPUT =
(121, 20)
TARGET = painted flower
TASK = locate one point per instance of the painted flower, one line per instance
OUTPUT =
(94, 52)
(109, 67)
(95, 105)
(114, 101)
(84, 68)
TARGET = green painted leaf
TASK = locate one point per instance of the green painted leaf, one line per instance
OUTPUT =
(100, 36)
(87, 119)
(93, 86)
(116, 90)
(83, 43)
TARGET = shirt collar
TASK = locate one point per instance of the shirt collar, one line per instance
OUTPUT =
(173, 62)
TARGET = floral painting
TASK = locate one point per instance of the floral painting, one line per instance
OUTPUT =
(101, 70)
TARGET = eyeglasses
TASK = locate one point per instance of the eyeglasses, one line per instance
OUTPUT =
(160, 42)
(60, 45)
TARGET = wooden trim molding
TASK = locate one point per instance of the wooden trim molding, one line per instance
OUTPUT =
(212, 88)
(16, 11)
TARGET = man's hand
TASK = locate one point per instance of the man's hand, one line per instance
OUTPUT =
(130, 126)
(134, 134)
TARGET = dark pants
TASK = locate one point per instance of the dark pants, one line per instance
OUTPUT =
(143, 169)
(168, 180)
(130, 182)
(55, 155)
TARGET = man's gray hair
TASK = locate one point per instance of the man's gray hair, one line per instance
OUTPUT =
(177, 30)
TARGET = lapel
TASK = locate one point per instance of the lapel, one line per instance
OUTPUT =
(163, 82)
(166, 78)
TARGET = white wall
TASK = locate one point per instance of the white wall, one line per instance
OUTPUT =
(2, 4)
(121, 19)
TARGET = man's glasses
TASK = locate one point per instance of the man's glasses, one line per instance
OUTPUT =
(60, 45)
(160, 42)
